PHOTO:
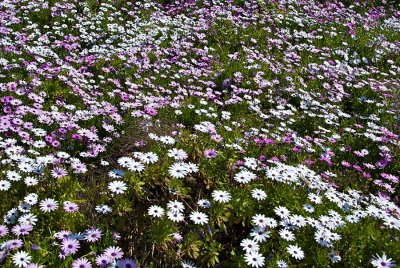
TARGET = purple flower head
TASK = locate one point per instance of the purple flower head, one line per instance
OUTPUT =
(14, 244)
(93, 235)
(34, 247)
(48, 138)
(309, 162)
(12, 86)
(116, 236)
(7, 109)
(70, 246)
(226, 83)
(127, 263)
(210, 153)
(296, 149)
(103, 260)
(357, 167)
(177, 237)
(324, 175)
(381, 163)
(345, 164)
(62, 130)
(70, 207)
(150, 111)
(59, 172)
(3, 230)
(114, 253)
(81, 263)
(63, 234)
(76, 137)
(239, 162)
(366, 175)
(22, 229)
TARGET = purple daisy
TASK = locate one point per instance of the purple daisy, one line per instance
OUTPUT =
(70, 207)
(210, 153)
(70, 246)
(114, 252)
(22, 229)
(93, 235)
(48, 205)
(103, 260)
(81, 263)
(3, 230)
(14, 244)
(127, 263)
(58, 172)
(63, 234)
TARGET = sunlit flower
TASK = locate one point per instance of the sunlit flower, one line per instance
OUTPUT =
(117, 187)
(198, 217)
(254, 259)
(48, 205)
(21, 259)
(249, 245)
(221, 196)
(295, 252)
(382, 261)
(156, 211)
(81, 263)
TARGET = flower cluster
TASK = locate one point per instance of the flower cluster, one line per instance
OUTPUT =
(199, 133)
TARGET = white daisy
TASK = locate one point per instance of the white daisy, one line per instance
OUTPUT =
(282, 212)
(103, 209)
(4, 185)
(178, 170)
(175, 206)
(167, 140)
(204, 203)
(259, 234)
(135, 166)
(258, 194)
(175, 216)
(308, 208)
(198, 217)
(295, 252)
(117, 187)
(31, 199)
(188, 264)
(13, 176)
(124, 161)
(254, 259)
(156, 211)
(148, 158)
(177, 154)
(382, 262)
(21, 259)
(298, 220)
(282, 264)
(31, 181)
(334, 256)
(286, 235)
(259, 220)
(244, 176)
(221, 196)
(28, 219)
(249, 245)
(192, 168)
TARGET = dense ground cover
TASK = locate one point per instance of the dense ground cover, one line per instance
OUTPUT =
(199, 133)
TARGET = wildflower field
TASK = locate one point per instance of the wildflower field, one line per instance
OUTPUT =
(199, 133)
